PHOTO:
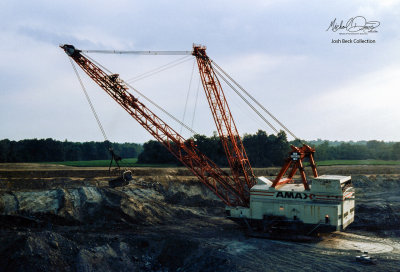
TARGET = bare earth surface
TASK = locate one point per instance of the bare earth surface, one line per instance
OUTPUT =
(55, 218)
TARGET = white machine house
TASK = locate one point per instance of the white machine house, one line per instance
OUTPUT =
(328, 205)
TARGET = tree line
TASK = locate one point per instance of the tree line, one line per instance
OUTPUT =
(266, 150)
(262, 149)
(49, 150)
(377, 150)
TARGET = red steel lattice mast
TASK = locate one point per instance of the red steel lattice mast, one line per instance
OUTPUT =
(238, 161)
(185, 151)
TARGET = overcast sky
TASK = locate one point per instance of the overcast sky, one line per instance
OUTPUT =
(280, 51)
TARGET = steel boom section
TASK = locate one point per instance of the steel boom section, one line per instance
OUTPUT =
(233, 146)
(204, 168)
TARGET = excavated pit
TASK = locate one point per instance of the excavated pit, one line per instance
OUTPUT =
(165, 220)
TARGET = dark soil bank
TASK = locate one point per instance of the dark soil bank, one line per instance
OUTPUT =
(170, 223)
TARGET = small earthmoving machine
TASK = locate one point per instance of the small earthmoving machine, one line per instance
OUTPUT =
(123, 176)
(323, 203)
(365, 258)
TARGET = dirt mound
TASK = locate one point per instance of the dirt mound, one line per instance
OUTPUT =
(377, 204)
(89, 228)
(141, 202)
(172, 223)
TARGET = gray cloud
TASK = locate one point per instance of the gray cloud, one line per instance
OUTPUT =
(280, 51)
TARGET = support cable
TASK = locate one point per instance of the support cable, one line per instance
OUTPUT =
(145, 97)
(97, 63)
(187, 97)
(245, 100)
(245, 110)
(158, 69)
(255, 101)
(160, 108)
(195, 103)
(90, 102)
(135, 52)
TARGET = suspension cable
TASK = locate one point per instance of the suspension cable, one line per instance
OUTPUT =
(160, 108)
(97, 63)
(166, 68)
(246, 111)
(139, 52)
(195, 103)
(148, 99)
(255, 101)
(247, 102)
(156, 70)
(89, 101)
(187, 96)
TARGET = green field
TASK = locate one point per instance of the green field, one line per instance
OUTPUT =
(128, 162)
(132, 162)
(356, 162)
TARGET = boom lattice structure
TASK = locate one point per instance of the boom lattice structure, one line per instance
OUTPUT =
(275, 207)
(185, 151)
(228, 133)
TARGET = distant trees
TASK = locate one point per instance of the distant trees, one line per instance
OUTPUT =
(262, 149)
(377, 150)
(212, 148)
(155, 152)
(266, 150)
(48, 150)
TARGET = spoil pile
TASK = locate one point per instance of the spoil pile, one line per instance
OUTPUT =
(170, 222)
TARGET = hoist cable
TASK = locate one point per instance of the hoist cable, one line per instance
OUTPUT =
(148, 99)
(89, 101)
(97, 63)
(255, 101)
(160, 108)
(135, 52)
(216, 65)
(132, 79)
(187, 96)
(156, 72)
(245, 100)
(246, 111)
(195, 102)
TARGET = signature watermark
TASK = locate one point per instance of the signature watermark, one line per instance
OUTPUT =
(355, 25)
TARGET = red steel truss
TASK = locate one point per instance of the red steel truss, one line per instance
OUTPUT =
(230, 191)
(238, 161)
(295, 160)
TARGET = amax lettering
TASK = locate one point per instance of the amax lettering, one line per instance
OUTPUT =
(294, 195)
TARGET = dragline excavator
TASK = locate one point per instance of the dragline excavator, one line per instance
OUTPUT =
(323, 203)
